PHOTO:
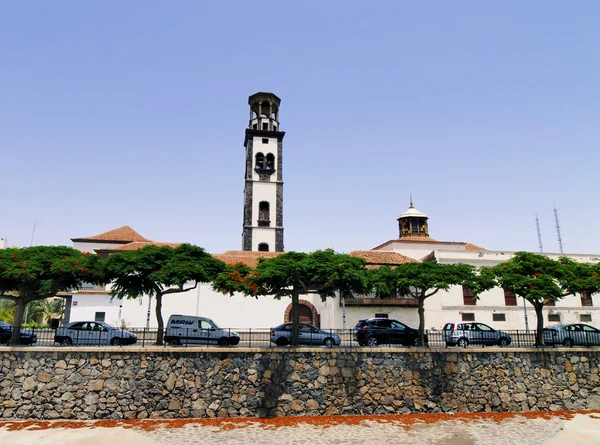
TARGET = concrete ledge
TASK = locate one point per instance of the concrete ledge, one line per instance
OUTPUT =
(283, 350)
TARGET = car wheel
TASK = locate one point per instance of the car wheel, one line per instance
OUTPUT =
(504, 341)
(372, 341)
(462, 342)
(175, 342)
(223, 342)
(67, 341)
(116, 341)
(281, 341)
(329, 342)
(568, 342)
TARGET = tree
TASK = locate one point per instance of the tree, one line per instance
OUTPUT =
(539, 280)
(292, 274)
(582, 278)
(7, 311)
(46, 309)
(425, 279)
(158, 271)
(39, 272)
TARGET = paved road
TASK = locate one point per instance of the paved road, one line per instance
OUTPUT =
(551, 429)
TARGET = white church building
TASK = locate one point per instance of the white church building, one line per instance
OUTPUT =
(262, 236)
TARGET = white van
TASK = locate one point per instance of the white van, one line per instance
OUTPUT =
(189, 329)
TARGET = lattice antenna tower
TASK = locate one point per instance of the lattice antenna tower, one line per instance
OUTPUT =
(539, 233)
(560, 244)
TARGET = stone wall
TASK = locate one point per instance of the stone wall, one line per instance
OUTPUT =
(77, 383)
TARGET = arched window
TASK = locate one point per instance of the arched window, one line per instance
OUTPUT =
(270, 164)
(264, 214)
(263, 247)
(260, 161)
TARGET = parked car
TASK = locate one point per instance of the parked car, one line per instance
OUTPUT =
(27, 337)
(92, 333)
(307, 335)
(190, 329)
(572, 334)
(379, 331)
(465, 333)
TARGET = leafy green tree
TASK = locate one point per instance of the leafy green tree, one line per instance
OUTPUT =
(40, 272)
(158, 271)
(7, 311)
(425, 279)
(539, 280)
(46, 309)
(582, 278)
(292, 274)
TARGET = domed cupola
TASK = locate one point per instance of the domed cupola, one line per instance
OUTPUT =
(413, 223)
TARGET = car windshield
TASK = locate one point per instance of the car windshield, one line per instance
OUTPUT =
(214, 324)
(4, 324)
(106, 325)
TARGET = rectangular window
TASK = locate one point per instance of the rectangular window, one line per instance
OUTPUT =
(550, 303)
(99, 316)
(266, 126)
(468, 316)
(498, 317)
(265, 140)
(468, 297)
(586, 318)
(554, 317)
(586, 300)
(510, 298)
(381, 315)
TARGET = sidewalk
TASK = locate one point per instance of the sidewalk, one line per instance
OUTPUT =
(550, 428)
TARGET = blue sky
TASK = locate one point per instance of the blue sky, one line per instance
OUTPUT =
(133, 113)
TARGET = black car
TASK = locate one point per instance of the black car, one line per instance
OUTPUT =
(378, 331)
(27, 337)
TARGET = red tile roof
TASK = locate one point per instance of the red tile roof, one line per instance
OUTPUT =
(134, 246)
(470, 246)
(248, 258)
(382, 258)
(427, 240)
(124, 234)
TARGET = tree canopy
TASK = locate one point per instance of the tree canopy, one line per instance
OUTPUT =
(292, 274)
(40, 272)
(539, 280)
(158, 271)
(425, 279)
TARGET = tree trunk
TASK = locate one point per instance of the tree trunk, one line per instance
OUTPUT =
(421, 321)
(21, 305)
(539, 335)
(295, 318)
(159, 320)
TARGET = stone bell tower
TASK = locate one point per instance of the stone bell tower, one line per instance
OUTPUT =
(263, 189)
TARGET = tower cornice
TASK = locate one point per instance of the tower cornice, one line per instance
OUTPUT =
(251, 132)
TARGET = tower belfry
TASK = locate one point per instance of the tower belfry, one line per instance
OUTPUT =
(263, 189)
(413, 223)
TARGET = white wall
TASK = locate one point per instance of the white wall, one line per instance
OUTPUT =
(85, 306)
(89, 247)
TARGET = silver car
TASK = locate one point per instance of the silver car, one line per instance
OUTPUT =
(307, 335)
(465, 333)
(92, 333)
(572, 334)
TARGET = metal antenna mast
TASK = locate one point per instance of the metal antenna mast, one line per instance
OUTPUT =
(33, 232)
(539, 233)
(560, 245)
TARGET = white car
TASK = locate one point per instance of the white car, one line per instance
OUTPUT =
(92, 333)
(191, 329)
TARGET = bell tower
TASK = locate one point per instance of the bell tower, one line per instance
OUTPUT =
(263, 189)
(413, 223)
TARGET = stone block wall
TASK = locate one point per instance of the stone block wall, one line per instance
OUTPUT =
(70, 383)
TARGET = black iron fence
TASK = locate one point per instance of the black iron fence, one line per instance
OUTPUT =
(269, 338)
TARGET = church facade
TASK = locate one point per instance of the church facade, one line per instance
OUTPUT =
(262, 236)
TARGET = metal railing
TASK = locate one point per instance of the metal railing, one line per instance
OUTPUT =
(267, 338)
